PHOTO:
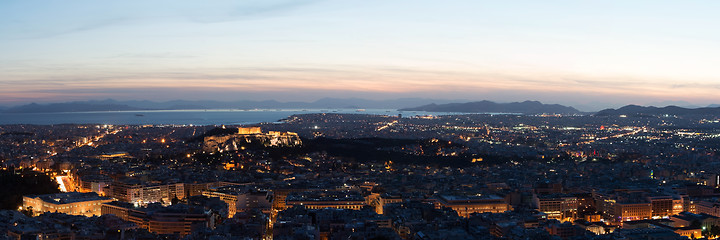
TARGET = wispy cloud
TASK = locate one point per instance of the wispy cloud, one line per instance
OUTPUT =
(162, 55)
(367, 79)
(65, 30)
(251, 10)
(695, 85)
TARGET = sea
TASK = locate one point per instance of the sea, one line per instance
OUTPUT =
(186, 117)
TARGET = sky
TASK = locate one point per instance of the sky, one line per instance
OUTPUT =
(588, 54)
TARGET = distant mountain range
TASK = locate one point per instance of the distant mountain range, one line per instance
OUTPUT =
(526, 107)
(69, 107)
(635, 110)
(114, 105)
(403, 104)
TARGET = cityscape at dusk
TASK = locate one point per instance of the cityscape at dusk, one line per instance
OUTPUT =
(362, 120)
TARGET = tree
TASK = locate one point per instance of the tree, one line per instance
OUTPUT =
(27, 211)
(714, 230)
(695, 224)
(17, 183)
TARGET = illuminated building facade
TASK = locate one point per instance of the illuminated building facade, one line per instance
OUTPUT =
(662, 206)
(249, 130)
(126, 191)
(708, 207)
(241, 199)
(196, 189)
(72, 203)
(131, 190)
(113, 156)
(94, 183)
(632, 211)
(279, 197)
(379, 201)
(176, 219)
(635, 205)
(466, 205)
(326, 199)
(557, 206)
(703, 221)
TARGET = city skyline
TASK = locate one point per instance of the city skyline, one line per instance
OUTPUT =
(593, 53)
(397, 120)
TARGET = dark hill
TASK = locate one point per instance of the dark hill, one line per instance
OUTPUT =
(69, 107)
(526, 107)
(635, 110)
(218, 131)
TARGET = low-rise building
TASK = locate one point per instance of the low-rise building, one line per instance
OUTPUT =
(175, 219)
(241, 198)
(133, 190)
(94, 183)
(73, 203)
(562, 207)
(326, 199)
(632, 211)
(466, 205)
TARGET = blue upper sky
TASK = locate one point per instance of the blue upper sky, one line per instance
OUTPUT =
(583, 53)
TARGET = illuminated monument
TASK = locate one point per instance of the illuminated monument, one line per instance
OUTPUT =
(250, 136)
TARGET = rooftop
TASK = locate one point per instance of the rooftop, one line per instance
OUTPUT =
(325, 196)
(69, 197)
(470, 198)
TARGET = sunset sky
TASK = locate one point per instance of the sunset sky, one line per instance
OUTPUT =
(583, 53)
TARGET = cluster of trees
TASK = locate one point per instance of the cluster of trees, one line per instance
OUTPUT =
(16, 183)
